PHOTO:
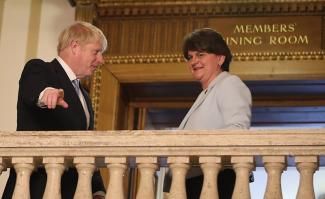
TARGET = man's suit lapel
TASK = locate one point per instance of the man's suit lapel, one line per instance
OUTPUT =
(65, 82)
(69, 91)
(89, 106)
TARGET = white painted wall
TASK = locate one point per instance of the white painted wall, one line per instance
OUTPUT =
(12, 55)
(55, 15)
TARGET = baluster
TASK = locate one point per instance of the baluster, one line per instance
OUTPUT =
(242, 165)
(210, 167)
(274, 166)
(23, 168)
(179, 167)
(85, 167)
(147, 167)
(306, 165)
(54, 168)
(117, 167)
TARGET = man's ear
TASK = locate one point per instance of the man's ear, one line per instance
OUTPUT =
(74, 45)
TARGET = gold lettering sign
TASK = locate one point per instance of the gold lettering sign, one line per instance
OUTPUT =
(270, 34)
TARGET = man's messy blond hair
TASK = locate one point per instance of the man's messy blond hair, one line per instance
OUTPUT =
(83, 33)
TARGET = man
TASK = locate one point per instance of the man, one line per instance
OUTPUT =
(50, 98)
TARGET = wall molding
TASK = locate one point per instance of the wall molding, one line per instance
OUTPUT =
(107, 8)
(177, 58)
(33, 29)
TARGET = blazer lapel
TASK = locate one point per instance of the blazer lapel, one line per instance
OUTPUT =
(201, 98)
(196, 104)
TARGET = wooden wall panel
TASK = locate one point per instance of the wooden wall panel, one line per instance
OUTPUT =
(145, 39)
(149, 31)
(147, 36)
(108, 102)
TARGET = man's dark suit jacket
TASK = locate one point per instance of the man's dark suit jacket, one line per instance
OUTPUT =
(36, 76)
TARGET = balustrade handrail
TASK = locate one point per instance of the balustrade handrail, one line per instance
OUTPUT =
(87, 150)
(162, 143)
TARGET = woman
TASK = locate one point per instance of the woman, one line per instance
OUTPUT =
(224, 103)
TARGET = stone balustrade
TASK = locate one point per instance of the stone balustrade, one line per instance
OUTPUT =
(87, 151)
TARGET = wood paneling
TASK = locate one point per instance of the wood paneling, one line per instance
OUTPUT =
(145, 39)
(107, 111)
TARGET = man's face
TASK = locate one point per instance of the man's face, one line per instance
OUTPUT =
(88, 57)
(204, 66)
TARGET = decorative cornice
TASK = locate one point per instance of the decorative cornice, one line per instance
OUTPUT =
(272, 56)
(144, 59)
(178, 58)
(202, 8)
(82, 1)
(176, 2)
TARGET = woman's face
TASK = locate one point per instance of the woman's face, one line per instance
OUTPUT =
(204, 66)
